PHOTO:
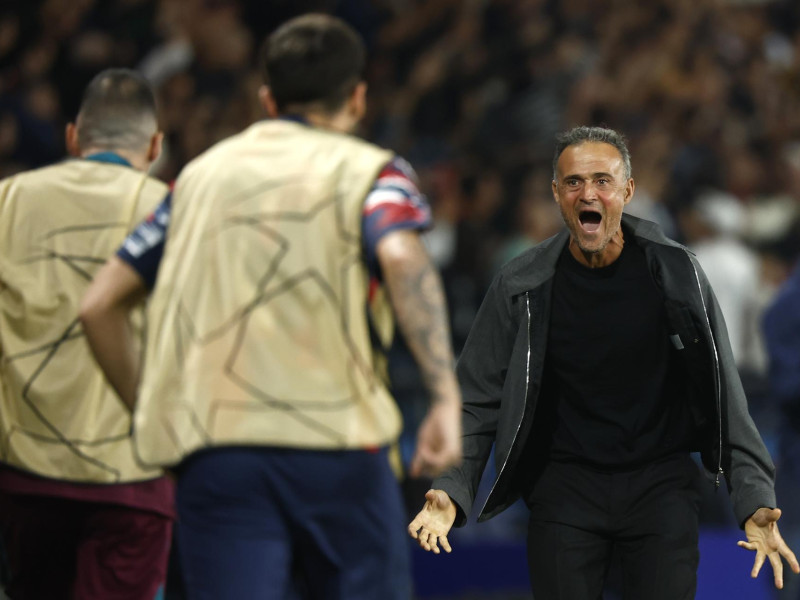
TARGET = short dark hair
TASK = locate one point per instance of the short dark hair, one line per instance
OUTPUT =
(118, 110)
(313, 59)
(581, 134)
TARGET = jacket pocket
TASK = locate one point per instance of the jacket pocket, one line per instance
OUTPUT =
(694, 359)
(683, 332)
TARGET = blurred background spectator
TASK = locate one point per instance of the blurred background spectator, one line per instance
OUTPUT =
(472, 92)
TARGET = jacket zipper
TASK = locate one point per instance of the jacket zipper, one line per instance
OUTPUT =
(716, 374)
(527, 383)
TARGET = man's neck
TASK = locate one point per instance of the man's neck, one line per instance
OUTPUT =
(134, 159)
(605, 257)
(339, 122)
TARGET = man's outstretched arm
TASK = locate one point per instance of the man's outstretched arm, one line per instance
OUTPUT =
(417, 297)
(105, 313)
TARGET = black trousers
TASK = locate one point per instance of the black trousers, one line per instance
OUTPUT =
(647, 519)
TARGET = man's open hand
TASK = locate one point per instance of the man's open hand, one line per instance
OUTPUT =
(763, 537)
(432, 524)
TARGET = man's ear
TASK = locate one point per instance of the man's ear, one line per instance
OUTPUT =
(156, 144)
(358, 100)
(630, 186)
(71, 140)
(267, 100)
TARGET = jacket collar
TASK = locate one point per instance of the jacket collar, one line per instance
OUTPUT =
(531, 269)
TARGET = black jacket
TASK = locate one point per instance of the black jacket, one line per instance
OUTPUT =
(500, 372)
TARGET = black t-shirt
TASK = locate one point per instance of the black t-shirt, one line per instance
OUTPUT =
(611, 394)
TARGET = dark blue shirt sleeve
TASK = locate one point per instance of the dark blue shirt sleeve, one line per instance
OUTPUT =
(144, 247)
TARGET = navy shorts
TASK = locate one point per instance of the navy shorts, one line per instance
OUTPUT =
(270, 523)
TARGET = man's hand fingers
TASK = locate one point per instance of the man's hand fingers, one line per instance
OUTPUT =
(432, 464)
(759, 562)
(413, 529)
(432, 523)
(790, 558)
(415, 468)
(438, 542)
(793, 563)
(434, 544)
(747, 545)
(423, 464)
(777, 569)
(429, 541)
(422, 540)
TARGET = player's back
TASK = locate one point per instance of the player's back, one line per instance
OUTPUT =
(58, 225)
(263, 291)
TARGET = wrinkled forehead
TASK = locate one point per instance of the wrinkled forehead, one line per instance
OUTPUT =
(587, 158)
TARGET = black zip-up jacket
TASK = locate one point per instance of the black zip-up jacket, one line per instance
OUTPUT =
(500, 371)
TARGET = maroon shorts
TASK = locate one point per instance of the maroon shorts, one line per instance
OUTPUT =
(60, 548)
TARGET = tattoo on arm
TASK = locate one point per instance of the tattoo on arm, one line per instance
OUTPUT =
(417, 296)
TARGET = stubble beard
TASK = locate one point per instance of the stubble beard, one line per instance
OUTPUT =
(598, 247)
(576, 233)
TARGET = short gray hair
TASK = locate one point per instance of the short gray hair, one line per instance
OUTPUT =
(118, 111)
(579, 135)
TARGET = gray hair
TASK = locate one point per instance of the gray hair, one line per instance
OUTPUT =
(118, 111)
(579, 135)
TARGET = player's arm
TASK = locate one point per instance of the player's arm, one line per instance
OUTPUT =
(417, 296)
(118, 287)
(105, 314)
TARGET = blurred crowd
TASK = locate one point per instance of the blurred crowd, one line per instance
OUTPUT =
(472, 92)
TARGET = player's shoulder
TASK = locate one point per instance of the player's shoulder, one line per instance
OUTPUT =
(39, 181)
(39, 174)
(397, 166)
(346, 143)
(350, 145)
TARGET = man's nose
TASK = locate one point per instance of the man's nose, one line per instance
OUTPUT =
(589, 192)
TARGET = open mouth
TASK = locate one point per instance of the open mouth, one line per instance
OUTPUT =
(590, 220)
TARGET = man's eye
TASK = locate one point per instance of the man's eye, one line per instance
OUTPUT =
(573, 182)
(602, 181)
